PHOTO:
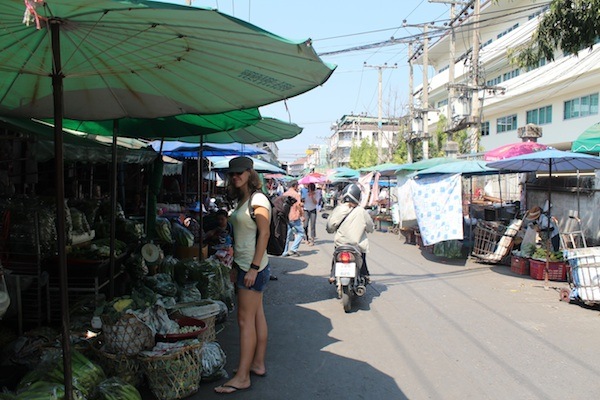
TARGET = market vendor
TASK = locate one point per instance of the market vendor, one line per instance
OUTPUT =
(222, 234)
(538, 221)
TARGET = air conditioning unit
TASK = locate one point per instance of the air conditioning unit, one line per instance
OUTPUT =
(529, 131)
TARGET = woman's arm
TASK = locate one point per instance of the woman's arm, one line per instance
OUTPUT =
(263, 233)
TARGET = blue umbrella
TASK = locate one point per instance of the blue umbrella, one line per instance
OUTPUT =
(180, 150)
(222, 164)
(549, 161)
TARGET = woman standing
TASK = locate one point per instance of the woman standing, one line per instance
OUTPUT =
(311, 201)
(250, 271)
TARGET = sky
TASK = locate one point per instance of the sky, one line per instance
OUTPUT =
(334, 25)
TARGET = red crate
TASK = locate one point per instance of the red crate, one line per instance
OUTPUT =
(557, 270)
(519, 265)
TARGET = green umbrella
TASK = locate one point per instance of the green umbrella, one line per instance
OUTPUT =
(100, 59)
(588, 141)
(426, 163)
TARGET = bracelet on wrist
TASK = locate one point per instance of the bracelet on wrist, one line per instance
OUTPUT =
(254, 266)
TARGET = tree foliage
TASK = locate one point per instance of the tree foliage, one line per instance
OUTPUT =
(363, 155)
(569, 25)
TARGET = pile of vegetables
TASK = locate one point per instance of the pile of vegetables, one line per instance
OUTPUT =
(98, 250)
(543, 254)
(526, 250)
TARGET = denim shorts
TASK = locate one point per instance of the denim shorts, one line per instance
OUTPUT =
(261, 279)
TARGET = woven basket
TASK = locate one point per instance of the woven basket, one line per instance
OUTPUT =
(174, 376)
(210, 334)
(125, 367)
(128, 336)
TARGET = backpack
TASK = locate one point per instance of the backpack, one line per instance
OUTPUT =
(280, 211)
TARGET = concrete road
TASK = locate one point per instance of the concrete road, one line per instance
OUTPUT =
(427, 329)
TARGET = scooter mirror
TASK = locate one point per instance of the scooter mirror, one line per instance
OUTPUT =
(325, 215)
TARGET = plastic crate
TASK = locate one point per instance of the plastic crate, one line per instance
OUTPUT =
(585, 273)
(519, 265)
(557, 270)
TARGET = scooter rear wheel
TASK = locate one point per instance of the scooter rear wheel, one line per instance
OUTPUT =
(346, 299)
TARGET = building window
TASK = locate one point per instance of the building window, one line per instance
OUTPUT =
(581, 107)
(515, 26)
(505, 124)
(509, 75)
(443, 69)
(485, 128)
(442, 103)
(540, 116)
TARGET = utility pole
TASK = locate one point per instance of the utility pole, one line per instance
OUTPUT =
(411, 100)
(425, 94)
(473, 132)
(380, 68)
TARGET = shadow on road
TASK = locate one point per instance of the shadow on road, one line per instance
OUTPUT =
(300, 359)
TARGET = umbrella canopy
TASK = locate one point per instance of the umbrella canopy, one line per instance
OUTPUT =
(314, 177)
(181, 150)
(342, 173)
(387, 169)
(144, 59)
(464, 167)
(550, 160)
(512, 150)
(222, 164)
(588, 141)
(426, 163)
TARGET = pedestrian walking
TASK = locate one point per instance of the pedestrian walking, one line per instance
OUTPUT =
(295, 228)
(311, 203)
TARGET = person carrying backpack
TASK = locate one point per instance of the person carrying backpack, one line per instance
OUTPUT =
(250, 272)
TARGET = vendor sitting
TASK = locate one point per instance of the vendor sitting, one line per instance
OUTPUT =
(547, 229)
(221, 235)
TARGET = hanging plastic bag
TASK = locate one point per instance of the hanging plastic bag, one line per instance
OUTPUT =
(4, 297)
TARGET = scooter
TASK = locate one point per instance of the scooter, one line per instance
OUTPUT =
(347, 262)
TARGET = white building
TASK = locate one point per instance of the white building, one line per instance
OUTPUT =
(352, 129)
(560, 96)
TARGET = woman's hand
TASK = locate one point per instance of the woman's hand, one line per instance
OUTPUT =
(250, 277)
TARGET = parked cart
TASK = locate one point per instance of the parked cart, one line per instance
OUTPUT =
(493, 240)
(584, 277)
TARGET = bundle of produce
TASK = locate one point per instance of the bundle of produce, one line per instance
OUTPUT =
(181, 235)
(116, 389)
(161, 284)
(129, 231)
(80, 222)
(526, 251)
(543, 254)
(136, 267)
(219, 284)
(213, 362)
(163, 230)
(167, 265)
(98, 249)
(86, 376)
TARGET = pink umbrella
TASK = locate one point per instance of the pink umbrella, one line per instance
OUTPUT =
(313, 177)
(512, 150)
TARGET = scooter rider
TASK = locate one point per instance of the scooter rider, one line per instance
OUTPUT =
(351, 223)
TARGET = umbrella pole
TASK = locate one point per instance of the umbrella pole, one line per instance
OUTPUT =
(200, 190)
(547, 267)
(57, 92)
(113, 210)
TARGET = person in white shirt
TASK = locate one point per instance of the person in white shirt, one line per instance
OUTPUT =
(311, 202)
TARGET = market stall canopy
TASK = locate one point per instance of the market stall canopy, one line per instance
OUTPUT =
(222, 164)
(463, 167)
(341, 174)
(512, 150)
(182, 150)
(176, 60)
(387, 169)
(80, 146)
(424, 164)
(588, 141)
